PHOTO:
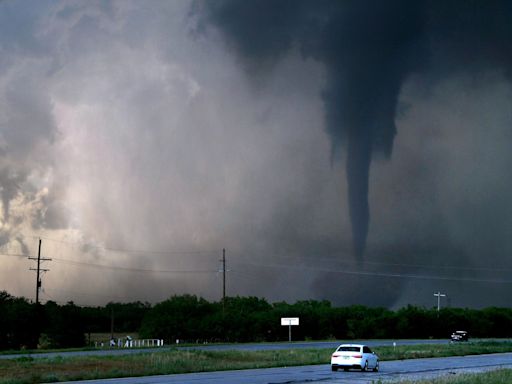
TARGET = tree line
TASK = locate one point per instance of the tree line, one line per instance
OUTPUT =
(189, 318)
(245, 319)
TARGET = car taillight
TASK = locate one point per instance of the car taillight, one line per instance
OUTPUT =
(358, 356)
(334, 355)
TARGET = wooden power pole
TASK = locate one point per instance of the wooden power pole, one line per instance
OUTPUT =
(39, 270)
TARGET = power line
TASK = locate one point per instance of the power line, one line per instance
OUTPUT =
(250, 262)
(437, 266)
(380, 274)
(287, 266)
(330, 258)
(105, 266)
(338, 260)
(15, 255)
(138, 251)
(320, 269)
(128, 269)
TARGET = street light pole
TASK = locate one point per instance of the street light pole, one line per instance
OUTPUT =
(439, 295)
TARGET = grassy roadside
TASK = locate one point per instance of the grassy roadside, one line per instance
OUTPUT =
(29, 370)
(500, 376)
(442, 350)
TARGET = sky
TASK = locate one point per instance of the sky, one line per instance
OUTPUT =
(353, 151)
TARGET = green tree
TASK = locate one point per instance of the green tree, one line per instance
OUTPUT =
(180, 317)
(64, 326)
(245, 319)
(20, 322)
(415, 322)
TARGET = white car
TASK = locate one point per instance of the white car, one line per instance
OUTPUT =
(357, 356)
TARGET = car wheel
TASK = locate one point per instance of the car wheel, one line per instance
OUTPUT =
(376, 369)
(333, 368)
(365, 368)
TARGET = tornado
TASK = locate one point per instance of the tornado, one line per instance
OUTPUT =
(369, 49)
(358, 170)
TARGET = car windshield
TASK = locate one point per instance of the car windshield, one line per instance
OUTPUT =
(349, 349)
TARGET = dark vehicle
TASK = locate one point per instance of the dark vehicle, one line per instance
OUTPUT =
(459, 336)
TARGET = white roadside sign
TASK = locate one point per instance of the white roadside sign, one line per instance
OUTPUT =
(289, 321)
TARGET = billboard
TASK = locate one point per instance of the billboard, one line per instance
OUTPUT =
(289, 321)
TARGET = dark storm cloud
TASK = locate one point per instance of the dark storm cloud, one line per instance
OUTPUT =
(469, 35)
(121, 133)
(369, 49)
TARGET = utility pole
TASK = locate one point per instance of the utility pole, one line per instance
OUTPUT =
(439, 295)
(223, 261)
(223, 274)
(111, 323)
(38, 270)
